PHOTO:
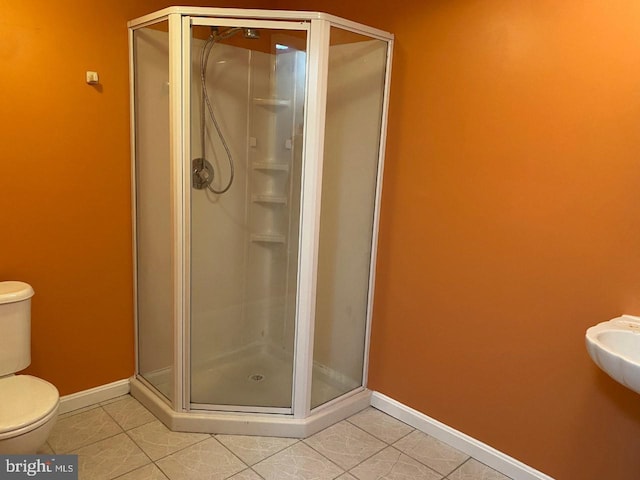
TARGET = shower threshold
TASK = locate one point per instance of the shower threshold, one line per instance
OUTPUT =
(241, 423)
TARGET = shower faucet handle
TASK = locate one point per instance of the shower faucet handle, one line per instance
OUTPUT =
(202, 173)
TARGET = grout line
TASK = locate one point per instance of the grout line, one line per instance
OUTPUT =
(96, 441)
(457, 468)
(259, 476)
(244, 470)
(369, 433)
(396, 462)
(405, 436)
(325, 457)
(78, 411)
(229, 450)
(386, 444)
(444, 475)
(368, 458)
(168, 454)
(113, 418)
(345, 470)
(140, 448)
(483, 464)
(297, 440)
(161, 470)
(127, 473)
(137, 426)
(138, 468)
(153, 417)
(373, 434)
(119, 398)
(89, 444)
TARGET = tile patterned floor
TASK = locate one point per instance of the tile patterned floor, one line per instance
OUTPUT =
(121, 439)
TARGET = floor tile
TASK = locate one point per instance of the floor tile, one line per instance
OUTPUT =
(247, 474)
(433, 453)
(109, 458)
(116, 439)
(129, 413)
(148, 472)
(298, 462)
(252, 450)
(474, 470)
(380, 425)
(207, 460)
(391, 464)
(158, 441)
(76, 431)
(345, 444)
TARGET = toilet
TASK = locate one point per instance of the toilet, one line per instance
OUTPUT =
(28, 405)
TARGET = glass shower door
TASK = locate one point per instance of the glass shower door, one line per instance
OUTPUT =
(246, 150)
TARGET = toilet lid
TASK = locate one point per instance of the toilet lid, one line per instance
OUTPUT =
(13, 291)
(24, 400)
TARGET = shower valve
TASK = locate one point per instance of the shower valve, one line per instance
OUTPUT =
(202, 173)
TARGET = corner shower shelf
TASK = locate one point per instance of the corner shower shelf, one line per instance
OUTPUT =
(272, 199)
(266, 238)
(272, 102)
(271, 166)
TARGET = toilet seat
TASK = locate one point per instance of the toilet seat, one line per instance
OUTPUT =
(26, 402)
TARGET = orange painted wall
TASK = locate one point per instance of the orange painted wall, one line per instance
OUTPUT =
(510, 222)
(510, 219)
(65, 182)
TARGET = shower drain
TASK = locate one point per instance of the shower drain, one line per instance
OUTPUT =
(256, 377)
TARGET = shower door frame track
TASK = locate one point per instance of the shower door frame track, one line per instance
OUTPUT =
(188, 22)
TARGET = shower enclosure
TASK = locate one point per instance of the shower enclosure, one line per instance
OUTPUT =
(258, 141)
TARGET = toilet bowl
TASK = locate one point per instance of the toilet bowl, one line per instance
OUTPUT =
(28, 412)
(28, 405)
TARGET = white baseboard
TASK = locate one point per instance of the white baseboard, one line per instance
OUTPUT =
(483, 453)
(93, 396)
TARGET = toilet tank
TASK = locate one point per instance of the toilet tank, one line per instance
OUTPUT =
(15, 326)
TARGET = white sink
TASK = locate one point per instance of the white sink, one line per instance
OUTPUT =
(615, 347)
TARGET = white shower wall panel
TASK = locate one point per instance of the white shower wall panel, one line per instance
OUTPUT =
(219, 324)
(272, 108)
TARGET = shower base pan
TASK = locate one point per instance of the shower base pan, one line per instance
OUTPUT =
(261, 373)
(257, 372)
(240, 423)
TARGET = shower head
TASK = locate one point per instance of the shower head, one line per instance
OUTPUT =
(252, 33)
